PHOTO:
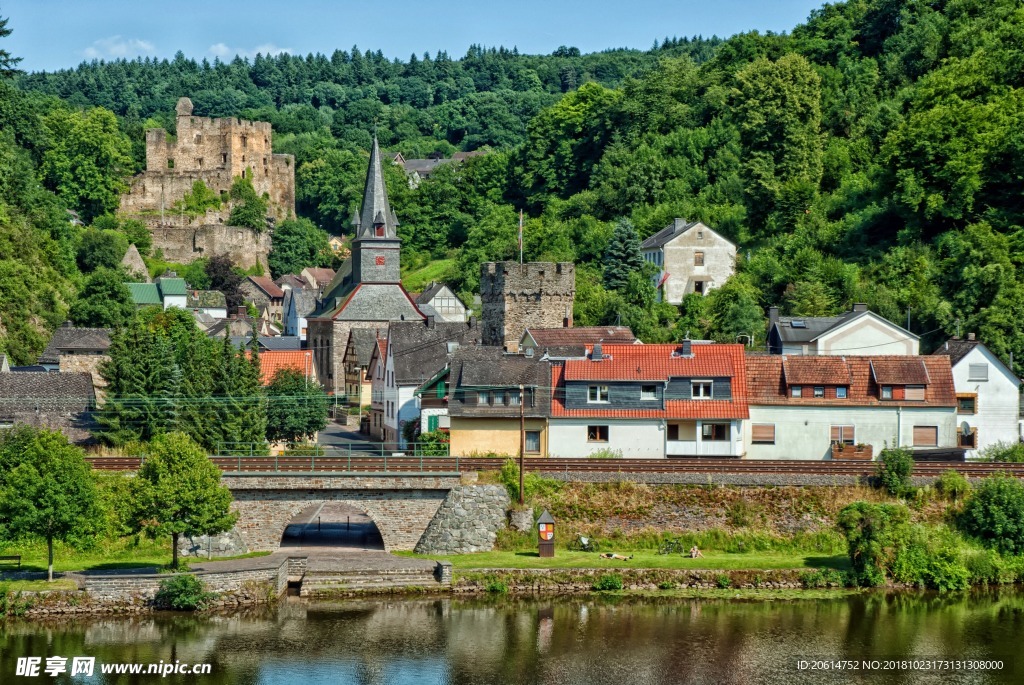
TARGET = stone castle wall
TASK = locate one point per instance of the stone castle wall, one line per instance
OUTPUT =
(517, 296)
(186, 243)
(468, 521)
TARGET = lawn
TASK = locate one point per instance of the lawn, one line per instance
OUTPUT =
(718, 561)
(418, 279)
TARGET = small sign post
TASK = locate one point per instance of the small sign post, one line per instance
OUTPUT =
(546, 535)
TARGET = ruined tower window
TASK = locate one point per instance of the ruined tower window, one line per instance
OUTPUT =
(264, 161)
(170, 163)
(199, 138)
(266, 141)
(243, 173)
(245, 141)
(243, 158)
(199, 161)
(224, 158)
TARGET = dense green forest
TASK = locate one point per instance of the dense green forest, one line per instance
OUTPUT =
(872, 154)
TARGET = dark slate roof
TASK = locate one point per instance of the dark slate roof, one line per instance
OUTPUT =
(206, 299)
(376, 208)
(361, 342)
(69, 337)
(430, 293)
(421, 349)
(73, 389)
(293, 281)
(809, 328)
(304, 301)
(493, 368)
(423, 167)
(374, 302)
(274, 343)
(956, 349)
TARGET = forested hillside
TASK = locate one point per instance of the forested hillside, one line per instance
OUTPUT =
(873, 154)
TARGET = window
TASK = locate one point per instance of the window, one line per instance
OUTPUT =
(597, 433)
(886, 392)
(977, 372)
(698, 287)
(968, 440)
(378, 230)
(698, 259)
(700, 235)
(648, 392)
(842, 434)
(819, 391)
(715, 431)
(796, 391)
(673, 431)
(483, 397)
(170, 163)
(926, 436)
(199, 139)
(245, 141)
(224, 158)
(512, 397)
(966, 404)
(597, 393)
(433, 422)
(915, 392)
(700, 390)
(763, 434)
(841, 392)
(533, 442)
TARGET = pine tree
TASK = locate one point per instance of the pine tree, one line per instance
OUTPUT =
(7, 63)
(622, 256)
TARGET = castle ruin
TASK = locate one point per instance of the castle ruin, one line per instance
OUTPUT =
(517, 296)
(214, 151)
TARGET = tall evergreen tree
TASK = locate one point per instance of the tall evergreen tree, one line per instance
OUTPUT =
(7, 62)
(622, 256)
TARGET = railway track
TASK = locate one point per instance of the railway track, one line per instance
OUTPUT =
(376, 464)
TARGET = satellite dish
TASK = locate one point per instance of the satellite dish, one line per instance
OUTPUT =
(965, 428)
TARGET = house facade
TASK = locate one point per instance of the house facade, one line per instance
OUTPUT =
(541, 339)
(358, 377)
(987, 395)
(488, 414)
(691, 258)
(440, 302)
(263, 292)
(375, 370)
(650, 401)
(824, 407)
(858, 332)
(166, 291)
(299, 303)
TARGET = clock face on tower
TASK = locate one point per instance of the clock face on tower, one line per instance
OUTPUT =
(379, 261)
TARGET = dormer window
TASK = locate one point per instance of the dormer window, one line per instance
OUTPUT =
(701, 390)
(597, 394)
(841, 392)
(819, 391)
(886, 392)
(796, 391)
(378, 230)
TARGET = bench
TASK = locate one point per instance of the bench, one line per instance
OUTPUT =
(15, 559)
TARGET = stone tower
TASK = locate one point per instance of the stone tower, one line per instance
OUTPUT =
(519, 296)
(376, 248)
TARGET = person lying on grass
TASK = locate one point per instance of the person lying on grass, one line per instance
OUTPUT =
(617, 557)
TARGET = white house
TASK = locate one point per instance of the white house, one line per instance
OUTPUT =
(298, 304)
(439, 301)
(857, 332)
(692, 258)
(987, 395)
(375, 370)
(822, 407)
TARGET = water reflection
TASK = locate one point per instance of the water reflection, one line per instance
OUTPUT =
(589, 640)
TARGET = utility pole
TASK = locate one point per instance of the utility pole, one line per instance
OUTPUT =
(522, 440)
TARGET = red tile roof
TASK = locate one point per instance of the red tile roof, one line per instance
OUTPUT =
(807, 370)
(899, 371)
(321, 275)
(766, 382)
(583, 335)
(658, 362)
(273, 361)
(267, 285)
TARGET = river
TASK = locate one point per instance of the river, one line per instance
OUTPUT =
(589, 640)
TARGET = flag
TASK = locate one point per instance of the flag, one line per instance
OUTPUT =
(664, 277)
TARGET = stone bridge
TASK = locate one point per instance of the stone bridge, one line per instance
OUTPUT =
(407, 509)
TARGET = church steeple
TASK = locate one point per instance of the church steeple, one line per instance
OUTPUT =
(376, 220)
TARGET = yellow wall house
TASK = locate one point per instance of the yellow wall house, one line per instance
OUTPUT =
(485, 402)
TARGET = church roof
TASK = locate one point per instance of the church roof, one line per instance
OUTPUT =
(373, 302)
(376, 208)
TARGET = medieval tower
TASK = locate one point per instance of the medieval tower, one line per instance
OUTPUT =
(519, 296)
(214, 151)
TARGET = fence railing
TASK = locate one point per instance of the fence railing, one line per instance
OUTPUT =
(358, 463)
(357, 448)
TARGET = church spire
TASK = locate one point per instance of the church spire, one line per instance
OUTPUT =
(376, 220)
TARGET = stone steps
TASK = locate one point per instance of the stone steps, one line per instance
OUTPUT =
(366, 580)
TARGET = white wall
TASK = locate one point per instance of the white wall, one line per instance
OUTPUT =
(441, 412)
(998, 399)
(175, 301)
(408, 409)
(635, 439)
(867, 335)
(805, 432)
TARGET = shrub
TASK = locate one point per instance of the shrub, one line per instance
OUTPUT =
(183, 592)
(994, 513)
(894, 469)
(825, 577)
(723, 581)
(666, 585)
(609, 581)
(872, 533)
(952, 485)
(1003, 451)
(497, 587)
(605, 453)
(533, 484)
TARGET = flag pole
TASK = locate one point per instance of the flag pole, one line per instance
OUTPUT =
(520, 236)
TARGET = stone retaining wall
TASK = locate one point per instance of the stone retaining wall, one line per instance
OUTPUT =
(467, 521)
(568, 581)
(752, 479)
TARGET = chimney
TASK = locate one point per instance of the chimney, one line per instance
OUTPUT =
(970, 336)
(860, 307)
(687, 350)
(597, 354)
(431, 322)
(773, 315)
(242, 311)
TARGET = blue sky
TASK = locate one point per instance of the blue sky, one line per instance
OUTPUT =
(54, 34)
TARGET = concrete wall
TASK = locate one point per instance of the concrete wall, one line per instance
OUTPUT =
(635, 439)
(805, 432)
(402, 508)
(998, 399)
(468, 521)
(471, 436)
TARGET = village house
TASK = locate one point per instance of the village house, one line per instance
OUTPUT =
(650, 401)
(416, 350)
(239, 324)
(378, 382)
(541, 339)
(299, 303)
(691, 258)
(212, 303)
(485, 407)
(273, 361)
(987, 395)
(78, 350)
(56, 400)
(858, 332)
(290, 281)
(268, 343)
(367, 291)
(166, 291)
(440, 302)
(358, 352)
(317, 278)
(262, 291)
(822, 407)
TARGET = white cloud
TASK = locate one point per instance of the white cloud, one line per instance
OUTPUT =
(222, 50)
(118, 46)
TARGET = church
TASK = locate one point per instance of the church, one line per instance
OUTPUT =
(367, 291)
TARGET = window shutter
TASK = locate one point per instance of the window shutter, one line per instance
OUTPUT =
(764, 433)
(915, 392)
(440, 389)
(432, 422)
(837, 433)
(926, 436)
